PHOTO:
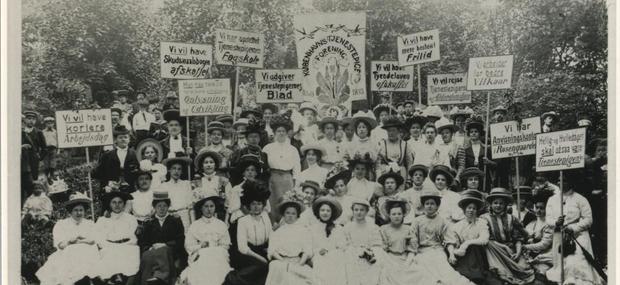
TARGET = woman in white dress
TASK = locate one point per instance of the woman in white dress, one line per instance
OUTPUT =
(207, 181)
(76, 256)
(336, 184)
(364, 145)
(141, 205)
(426, 152)
(150, 153)
(290, 249)
(179, 190)
(207, 242)
(116, 237)
(442, 176)
(313, 155)
(327, 243)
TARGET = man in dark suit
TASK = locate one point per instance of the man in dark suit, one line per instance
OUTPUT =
(161, 244)
(117, 167)
(175, 142)
(34, 148)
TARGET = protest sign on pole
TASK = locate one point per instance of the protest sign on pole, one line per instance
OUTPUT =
(204, 97)
(447, 89)
(331, 56)
(510, 139)
(239, 48)
(418, 48)
(85, 128)
(389, 76)
(278, 86)
(560, 150)
(185, 61)
(489, 73)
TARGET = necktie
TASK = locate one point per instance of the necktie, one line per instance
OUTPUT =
(144, 116)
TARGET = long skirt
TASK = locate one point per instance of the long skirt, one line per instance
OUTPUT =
(514, 272)
(210, 267)
(119, 259)
(248, 270)
(329, 269)
(396, 271)
(70, 265)
(358, 270)
(576, 266)
(433, 262)
(158, 263)
(288, 271)
(473, 264)
(279, 182)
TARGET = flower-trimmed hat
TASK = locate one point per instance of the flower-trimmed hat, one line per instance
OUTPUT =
(474, 123)
(331, 202)
(458, 112)
(417, 167)
(392, 122)
(328, 120)
(361, 159)
(253, 191)
(499, 192)
(442, 169)
(471, 196)
(433, 111)
(388, 204)
(469, 172)
(443, 124)
(285, 204)
(256, 112)
(76, 199)
(311, 184)
(204, 154)
(308, 106)
(250, 159)
(391, 174)
(332, 178)
(280, 121)
(415, 119)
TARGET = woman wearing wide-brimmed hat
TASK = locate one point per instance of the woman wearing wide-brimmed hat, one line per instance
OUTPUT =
(179, 189)
(417, 175)
(471, 178)
(76, 257)
(393, 150)
(290, 248)
(216, 131)
(283, 161)
(208, 181)
(362, 124)
(474, 151)
(359, 186)
(548, 119)
(327, 241)
(382, 112)
(466, 239)
(443, 178)
(336, 185)
(207, 242)
(390, 182)
(450, 153)
(117, 240)
(504, 250)
(313, 154)
(150, 154)
(250, 167)
(333, 149)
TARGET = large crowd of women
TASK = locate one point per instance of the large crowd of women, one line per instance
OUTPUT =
(388, 196)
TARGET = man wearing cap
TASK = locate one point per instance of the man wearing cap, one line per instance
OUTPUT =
(34, 147)
(142, 121)
(172, 101)
(227, 120)
(161, 244)
(175, 143)
(116, 115)
(216, 132)
(409, 110)
(499, 114)
(51, 140)
(117, 165)
(548, 119)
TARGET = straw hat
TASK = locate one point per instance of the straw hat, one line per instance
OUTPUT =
(500, 108)
(149, 143)
(363, 117)
(392, 122)
(308, 106)
(471, 196)
(331, 202)
(549, 114)
(75, 199)
(285, 204)
(159, 197)
(469, 172)
(389, 202)
(416, 167)
(444, 123)
(442, 169)
(499, 192)
(433, 111)
(209, 196)
(241, 122)
(204, 154)
(215, 126)
(313, 146)
(328, 120)
(312, 184)
(224, 118)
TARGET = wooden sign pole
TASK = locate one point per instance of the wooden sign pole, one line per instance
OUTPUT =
(517, 184)
(90, 188)
(562, 229)
(486, 141)
(236, 101)
(419, 86)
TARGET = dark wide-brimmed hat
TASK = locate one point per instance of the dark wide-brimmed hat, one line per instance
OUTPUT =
(331, 202)
(250, 159)
(120, 130)
(140, 172)
(346, 121)
(471, 196)
(269, 106)
(383, 108)
(210, 196)
(280, 121)
(474, 123)
(160, 197)
(392, 122)
(77, 199)
(542, 195)
(417, 167)
(391, 174)
(173, 115)
(253, 191)
(285, 204)
(256, 127)
(145, 143)
(390, 202)
(224, 118)
(107, 198)
(183, 160)
(361, 159)
(215, 126)
(204, 154)
(344, 174)
(442, 169)
(256, 112)
(366, 118)
(328, 120)
(312, 184)
(499, 192)
(415, 119)
(525, 192)
(469, 172)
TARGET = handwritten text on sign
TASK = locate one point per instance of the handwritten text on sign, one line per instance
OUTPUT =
(388, 76)
(509, 139)
(239, 48)
(84, 128)
(560, 150)
(279, 86)
(185, 61)
(205, 97)
(488, 73)
(448, 89)
(418, 48)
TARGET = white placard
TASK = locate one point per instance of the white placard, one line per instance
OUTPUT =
(489, 73)
(561, 150)
(205, 97)
(389, 76)
(448, 89)
(84, 128)
(418, 48)
(185, 61)
(509, 139)
(279, 86)
(239, 48)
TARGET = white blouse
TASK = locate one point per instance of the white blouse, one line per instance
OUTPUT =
(290, 240)
(253, 230)
(211, 230)
(142, 204)
(362, 188)
(577, 212)
(314, 173)
(116, 227)
(361, 147)
(68, 229)
(180, 193)
(333, 150)
(283, 156)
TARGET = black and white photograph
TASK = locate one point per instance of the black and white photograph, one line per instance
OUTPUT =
(312, 142)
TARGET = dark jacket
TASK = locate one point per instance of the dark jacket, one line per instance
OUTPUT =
(32, 156)
(109, 167)
(171, 233)
(165, 143)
